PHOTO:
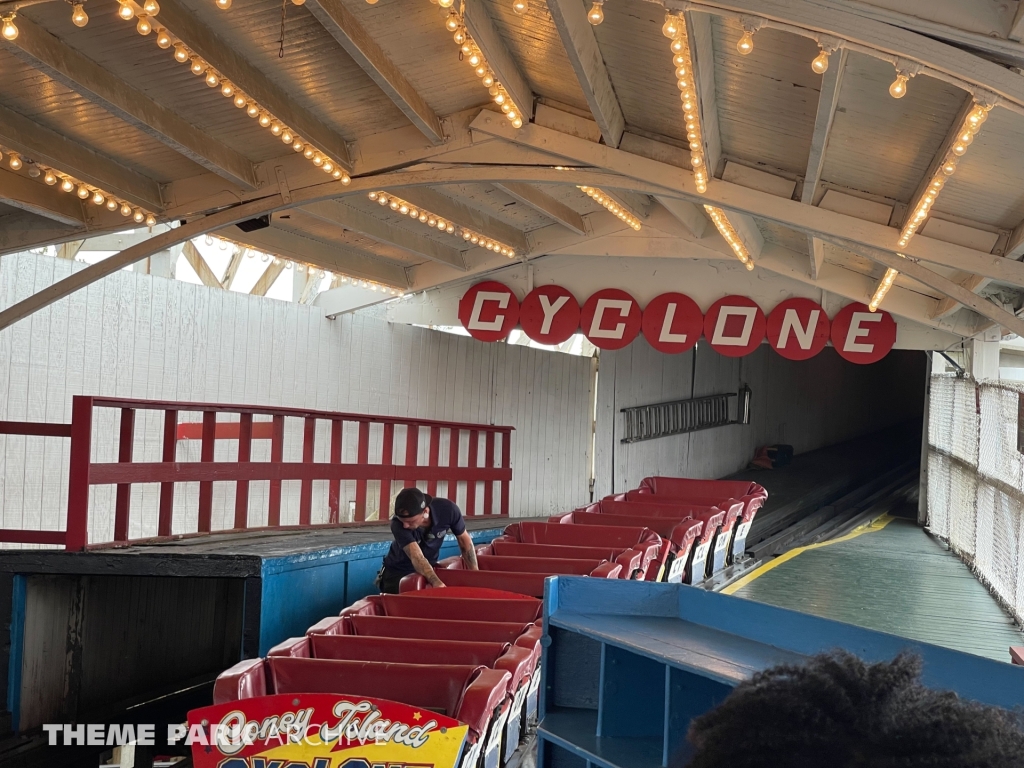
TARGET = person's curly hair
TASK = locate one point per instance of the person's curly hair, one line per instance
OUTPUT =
(839, 712)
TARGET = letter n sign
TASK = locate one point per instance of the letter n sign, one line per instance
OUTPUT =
(798, 329)
(489, 311)
(862, 336)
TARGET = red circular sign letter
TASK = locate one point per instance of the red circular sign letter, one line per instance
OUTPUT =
(734, 326)
(549, 314)
(489, 311)
(798, 329)
(862, 336)
(672, 323)
(610, 319)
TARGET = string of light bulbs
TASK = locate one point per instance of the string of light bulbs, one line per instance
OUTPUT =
(883, 288)
(726, 229)
(68, 183)
(214, 79)
(471, 53)
(301, 267)
(440, 223)
(601, 197)
(968, 130)
(674, 29)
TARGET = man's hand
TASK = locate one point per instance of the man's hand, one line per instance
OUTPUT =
(468, 551)
(422, 565)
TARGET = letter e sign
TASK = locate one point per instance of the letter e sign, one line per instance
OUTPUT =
(862, 336)
(489, 311)
(610, 319)
(734, 326)
(672, 323)
(549, 314)
(798, 329)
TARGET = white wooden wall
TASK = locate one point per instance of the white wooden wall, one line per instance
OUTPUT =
(132, 335)
(808, 404)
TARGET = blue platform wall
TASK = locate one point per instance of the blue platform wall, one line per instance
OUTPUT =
(300, 590)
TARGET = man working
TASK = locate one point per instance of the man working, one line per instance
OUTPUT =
(419, 527)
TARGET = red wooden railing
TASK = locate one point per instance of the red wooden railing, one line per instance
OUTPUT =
(246, 426)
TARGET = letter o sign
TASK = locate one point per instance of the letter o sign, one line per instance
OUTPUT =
(610, 319)
(489, 311)
(734, 326)
(549, 314)
(862, 336)
(672, 323)
(798, 329)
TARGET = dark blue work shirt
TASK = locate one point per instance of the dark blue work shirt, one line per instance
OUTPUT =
(444, 516)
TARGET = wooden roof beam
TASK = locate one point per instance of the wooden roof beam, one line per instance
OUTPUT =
(19, 191)
(357, 42)
(44, 52)
(463, 215)
(546, 205)
(972, 283)
(1015, 245)
(198, 263)
(580, 43)
(481, 28)
(698, 27)
(180, 22)
(267, 279)
(828, 100)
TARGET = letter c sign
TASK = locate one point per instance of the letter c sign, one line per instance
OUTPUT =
(489, 311)
(610, 319)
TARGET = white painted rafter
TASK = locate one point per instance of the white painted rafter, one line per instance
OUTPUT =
(828, 100)
(480, 27)
(544, 204)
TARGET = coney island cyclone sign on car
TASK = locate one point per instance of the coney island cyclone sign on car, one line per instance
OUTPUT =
(319, 730)
(734, 326)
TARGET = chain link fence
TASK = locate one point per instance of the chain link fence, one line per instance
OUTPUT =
(976, 480)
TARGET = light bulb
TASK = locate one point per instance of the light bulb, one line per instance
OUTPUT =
(223, 4)
(452, 23)
(163, 39)
(297, 145)
(298, 2)
(67, 185)
(211, 78)
(820, 63)
(318, 160)
(480, 71)
(678, 45)
(949, 167)
(227, 90)
(308, 153)
(746, 44)
(126, 12)
(151, 220)
(959, 149)
(252, 110)
(488, 80)
(180, 53)
(976, 118)
(126, 210)
(83, 191)
(966, 138)
(898, 89)
(328, 166)
(265, 120)
(239, 100)
(50, 178)
(517, 123)
(459, 36)
(152, 7)
(277, 129)
(264, 257)
(499, 99)
(345, 178)
(10, 30)
(446, 3)
(15, 161)
(112, 204)
(138, 216)
(671, 26)
(78, 15)
(371, 2)
(287, 137)
(198, 66)
(474, 59)
(596, 14)
(97, 198)
(520, 6)
(143, 27)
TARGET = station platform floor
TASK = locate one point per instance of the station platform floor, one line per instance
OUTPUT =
(891, 576)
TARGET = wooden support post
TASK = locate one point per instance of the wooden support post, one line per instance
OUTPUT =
(206, 486)
(125, 448)
(362, 458)
(455, 435)
(334, 486)
(506, 463)
(165, 520)
(489, 484)
(433, 457)
(387, 460)
(244, 457)
(276, 456)
(306, 490)
(471, 462)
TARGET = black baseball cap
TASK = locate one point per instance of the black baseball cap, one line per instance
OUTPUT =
(410, 502)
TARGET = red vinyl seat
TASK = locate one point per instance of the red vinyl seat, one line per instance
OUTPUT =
(523, 583)
(685, 486)
(419, 607)
(647, 542)
(630, 559)
(572, 567)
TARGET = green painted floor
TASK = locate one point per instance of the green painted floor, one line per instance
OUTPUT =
(897, 580)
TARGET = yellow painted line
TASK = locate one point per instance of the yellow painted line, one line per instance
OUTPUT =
(875, 525)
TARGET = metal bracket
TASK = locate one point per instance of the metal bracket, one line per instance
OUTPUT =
(282, 184)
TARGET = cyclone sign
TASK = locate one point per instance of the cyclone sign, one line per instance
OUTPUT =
(672, 323)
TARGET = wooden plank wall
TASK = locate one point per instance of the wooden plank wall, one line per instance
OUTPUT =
(808, 404)
(133, 335)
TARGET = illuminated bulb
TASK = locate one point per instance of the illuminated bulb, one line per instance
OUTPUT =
(959, 149)
(450, 229)
(966, 138)
(10, 29)
(152, 7)
(520, 6)
(264, 257)
(252, 110)
(678, 45)
(78, 15)
(976, 118)
(223, 4)
(163, 38)
(746, 45)
(431, 221)
(382, 200)
(459, 36)
(239, 100)
(126, 210)
(481, 71)
(898, 89)
(97, 198)
(197, 66)
(112, 204)
(820, 63)
(466, 49)
(596, 14)
(50, 178)
(517, 123)
(474, 59)
(488, 80)
(671, 26)
(308, 153)
(265, 120)
(287, 137)
(144, 27)
(298, 146)
(15, 161)
(67, 185)
(949, 168)
(227, 90)
(446, 3)
(126, 12)
(138, 216)
(288, 264)
(452, 23)
(394, 205)
(211, 78)
(180, 53)
(298, 2)
(151, 220)
(499, 99)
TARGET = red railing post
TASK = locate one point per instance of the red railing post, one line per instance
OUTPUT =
(489, 464)
(387, 461)
(471, 463)
(334, 485)
(433, 457)
(306, 489)
(506, 463)
(244, 457)
(123, 501)
(78, 474)
(454, 437)
(165, 518)
(276, 457)
(362, 459)
(206, 486)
